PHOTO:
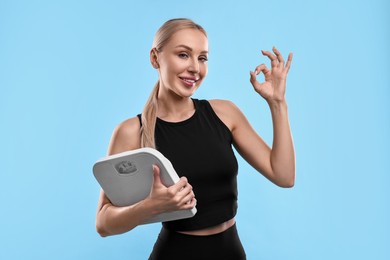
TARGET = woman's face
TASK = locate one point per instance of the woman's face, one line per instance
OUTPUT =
(182, 63)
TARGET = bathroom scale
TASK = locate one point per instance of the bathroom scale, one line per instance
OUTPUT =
(127, 178)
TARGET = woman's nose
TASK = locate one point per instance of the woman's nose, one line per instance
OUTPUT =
(194, 66)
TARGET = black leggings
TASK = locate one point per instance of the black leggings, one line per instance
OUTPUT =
(173, 246)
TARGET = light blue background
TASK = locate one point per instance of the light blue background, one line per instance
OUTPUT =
(70, 71)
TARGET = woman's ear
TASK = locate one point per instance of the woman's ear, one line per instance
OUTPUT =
(153, 58)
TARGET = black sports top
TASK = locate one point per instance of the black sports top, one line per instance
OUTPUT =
(200, 148)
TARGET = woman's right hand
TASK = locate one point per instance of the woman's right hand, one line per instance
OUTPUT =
(179, 196)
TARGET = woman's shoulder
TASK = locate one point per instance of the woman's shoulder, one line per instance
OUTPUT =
(126, 136)
(222, 103)
(128, 127)
(227, 111)
(224, 107)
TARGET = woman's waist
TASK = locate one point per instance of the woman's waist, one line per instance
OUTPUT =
(211, 230)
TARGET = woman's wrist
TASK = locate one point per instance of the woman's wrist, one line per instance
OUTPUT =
(149, 207)
(277, 105)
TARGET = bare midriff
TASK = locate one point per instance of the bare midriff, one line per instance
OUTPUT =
(211, 230)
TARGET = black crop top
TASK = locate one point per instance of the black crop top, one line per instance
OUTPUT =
(200, 148)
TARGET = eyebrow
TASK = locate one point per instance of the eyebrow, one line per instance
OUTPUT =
(188, 48)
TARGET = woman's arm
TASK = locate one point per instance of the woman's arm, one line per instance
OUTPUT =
(112, 220)
(282, 153)
(276, 164)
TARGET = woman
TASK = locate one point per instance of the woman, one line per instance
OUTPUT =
(197, 137)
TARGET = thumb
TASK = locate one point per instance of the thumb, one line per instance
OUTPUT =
(253, 77)
(156, 176)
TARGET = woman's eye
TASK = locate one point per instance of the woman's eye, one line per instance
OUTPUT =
(183, 55)
(203, 59)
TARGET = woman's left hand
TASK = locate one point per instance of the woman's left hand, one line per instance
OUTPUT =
(273, 88)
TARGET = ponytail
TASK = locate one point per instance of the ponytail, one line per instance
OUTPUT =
(149, 118)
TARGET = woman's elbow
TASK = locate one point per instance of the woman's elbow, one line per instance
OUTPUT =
(101, 230)
(101, 225)
(287, 182)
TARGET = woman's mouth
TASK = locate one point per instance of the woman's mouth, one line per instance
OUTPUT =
(189, 82)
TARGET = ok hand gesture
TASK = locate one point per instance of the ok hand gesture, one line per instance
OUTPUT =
(273, 88)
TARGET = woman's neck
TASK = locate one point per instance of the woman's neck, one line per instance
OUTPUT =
(174, 109)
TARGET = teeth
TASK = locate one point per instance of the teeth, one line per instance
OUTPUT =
(189, 80)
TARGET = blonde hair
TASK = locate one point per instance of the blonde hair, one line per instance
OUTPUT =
(149, 114)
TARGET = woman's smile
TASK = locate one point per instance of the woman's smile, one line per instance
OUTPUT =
(189, 81)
